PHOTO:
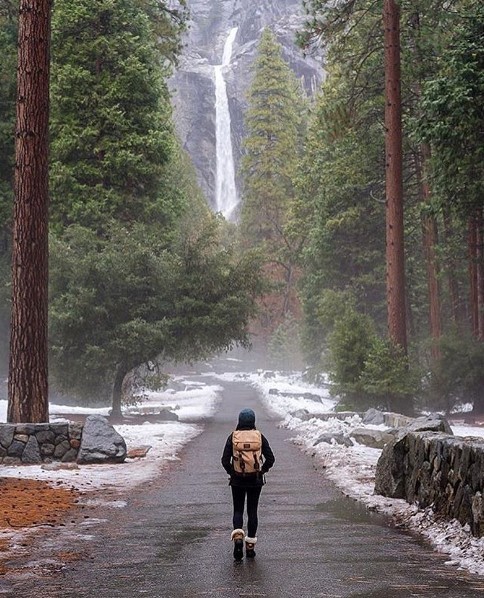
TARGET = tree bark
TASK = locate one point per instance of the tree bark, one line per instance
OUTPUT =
(117, 398)
(27, 383)
(393, 175)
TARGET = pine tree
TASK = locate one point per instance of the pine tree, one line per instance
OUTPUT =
(452, 124)
(274, 122)
(272, 143)
(111, 115)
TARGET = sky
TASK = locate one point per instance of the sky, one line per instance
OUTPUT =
(352, 469)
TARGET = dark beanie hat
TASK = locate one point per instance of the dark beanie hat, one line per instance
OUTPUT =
(247, 418)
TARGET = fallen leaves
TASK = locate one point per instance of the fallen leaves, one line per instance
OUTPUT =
(26, 503)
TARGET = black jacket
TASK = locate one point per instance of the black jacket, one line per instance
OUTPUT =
(251, 480)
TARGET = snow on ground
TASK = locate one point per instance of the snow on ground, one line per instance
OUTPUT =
(191, 401)
(352, 469)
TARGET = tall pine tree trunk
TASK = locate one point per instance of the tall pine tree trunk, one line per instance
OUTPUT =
(394, 186)
(27, 381)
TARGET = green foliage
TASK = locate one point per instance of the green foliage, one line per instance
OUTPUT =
(366, 370)
(322, 308)
(168, 23)
(458, 377)
(272, 144)
(453, 114)
(274, 122)
(349, 344)
(339, 186)
(134, 297)
(140, 271)
(387, 379)
(110, 117)
(340, 192)
(8, 49)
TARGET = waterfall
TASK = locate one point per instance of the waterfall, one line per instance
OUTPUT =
(226, 192)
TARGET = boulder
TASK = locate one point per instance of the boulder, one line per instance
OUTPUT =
(45, 436)
(396, 420)
(167, 415)
(6, 434)
(429, 423)
(16, 449)
(373, 417)
(100, 442)
(329, 438)
(390, 469)
(60, 428)
(371, 438)
(301, 414)
(75, 430)
(31, 452)
(29, 429)
(61, 449)
(70, 456)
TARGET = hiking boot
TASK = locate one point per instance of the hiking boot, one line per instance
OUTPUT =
(238, 536)
(249, 547)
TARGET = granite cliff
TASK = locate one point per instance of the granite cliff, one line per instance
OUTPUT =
(193, 83)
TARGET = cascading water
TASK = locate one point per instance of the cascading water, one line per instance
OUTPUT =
(226, 192)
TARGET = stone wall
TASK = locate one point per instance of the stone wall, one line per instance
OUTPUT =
(37, 443)
(95, 441)
(436, 470)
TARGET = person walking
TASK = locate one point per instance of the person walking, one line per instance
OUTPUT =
(247, 457)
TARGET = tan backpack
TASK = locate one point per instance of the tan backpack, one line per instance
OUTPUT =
(247, 451)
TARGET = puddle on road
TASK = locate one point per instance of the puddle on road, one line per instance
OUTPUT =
(171, 546)
(348, 510)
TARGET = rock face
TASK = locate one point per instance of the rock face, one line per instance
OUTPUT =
(100, 442)
(193, 84)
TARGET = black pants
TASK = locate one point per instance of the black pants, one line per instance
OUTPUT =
(238, 496)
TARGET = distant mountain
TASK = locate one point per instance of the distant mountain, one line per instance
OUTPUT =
(193, 84)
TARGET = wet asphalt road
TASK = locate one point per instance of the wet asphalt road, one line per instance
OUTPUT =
(172, 540)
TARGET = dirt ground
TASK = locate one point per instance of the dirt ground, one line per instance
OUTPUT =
(29, 503)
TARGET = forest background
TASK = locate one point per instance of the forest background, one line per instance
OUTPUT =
(142, 273)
